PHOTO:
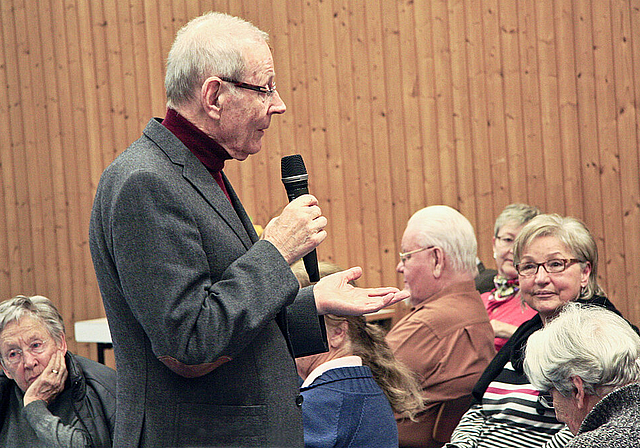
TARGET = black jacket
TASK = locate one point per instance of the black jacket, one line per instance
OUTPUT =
(513, 350)
(93, 391)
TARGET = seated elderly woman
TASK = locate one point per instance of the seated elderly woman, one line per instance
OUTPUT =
(351, 391)
(557, 262)
(503, 303)
(588, 360)
(48, 396)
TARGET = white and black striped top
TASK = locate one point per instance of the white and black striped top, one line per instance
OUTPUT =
(509, 416)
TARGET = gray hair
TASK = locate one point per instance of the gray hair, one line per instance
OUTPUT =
(573, 234)
(36, 307)
(211, 44)
(445, 227)
(518, 214)
(586, 341)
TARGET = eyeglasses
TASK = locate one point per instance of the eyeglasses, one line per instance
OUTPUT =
(15, 355)
(505, 241)
(268, 91)
(404, 256)
(529, 268)
(546, 399)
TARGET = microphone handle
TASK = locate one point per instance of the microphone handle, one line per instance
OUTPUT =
(295, 189)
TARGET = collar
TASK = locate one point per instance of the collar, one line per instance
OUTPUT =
(207, 150)
(345, 361)
(459, 288)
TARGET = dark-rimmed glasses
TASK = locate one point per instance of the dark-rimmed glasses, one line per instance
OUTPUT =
(268, 91)
(555, 266)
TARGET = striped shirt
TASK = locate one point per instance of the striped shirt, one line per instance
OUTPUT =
(509, 416)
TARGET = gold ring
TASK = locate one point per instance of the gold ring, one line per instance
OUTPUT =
(54, 371)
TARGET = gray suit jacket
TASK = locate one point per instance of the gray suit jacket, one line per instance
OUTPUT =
(204, 317)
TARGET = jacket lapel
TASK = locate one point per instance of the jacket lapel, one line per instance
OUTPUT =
(198, 176)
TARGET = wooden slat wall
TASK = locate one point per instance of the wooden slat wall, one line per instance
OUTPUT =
(395, 105)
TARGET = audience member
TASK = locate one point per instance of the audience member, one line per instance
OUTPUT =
(50, 397)
(587, 360)
(351, 392)
(504, 304)
(557, 262)
(446, 339)
(204, 316)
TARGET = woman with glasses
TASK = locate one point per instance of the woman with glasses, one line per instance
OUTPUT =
(503, 303)
(557, 260)
(48, 396)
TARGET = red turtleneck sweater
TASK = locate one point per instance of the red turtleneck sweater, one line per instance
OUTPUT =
(210, 153)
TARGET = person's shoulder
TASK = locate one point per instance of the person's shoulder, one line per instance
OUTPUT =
(95, 372)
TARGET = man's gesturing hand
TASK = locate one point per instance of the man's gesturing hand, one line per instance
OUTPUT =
(334, 295)
(298, 230)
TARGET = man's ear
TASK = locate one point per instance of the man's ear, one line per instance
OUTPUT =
(63, 344)
(210, 96)
(438, 261)
(6, 372)
(579, 394)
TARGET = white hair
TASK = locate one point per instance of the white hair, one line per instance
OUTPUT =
(442, 226)
(587, 341)
(209, 45)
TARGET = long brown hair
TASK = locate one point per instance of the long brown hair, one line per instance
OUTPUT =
(367, 340)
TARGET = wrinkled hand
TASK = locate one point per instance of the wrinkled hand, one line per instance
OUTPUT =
(334, 295)
(298, 230)
(502, 329)
(49, 384)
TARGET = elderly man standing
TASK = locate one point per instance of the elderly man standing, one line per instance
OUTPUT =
(446, 339)
(204, 316)
(586, 362)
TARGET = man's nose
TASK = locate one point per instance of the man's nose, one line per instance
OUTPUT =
(400, 267)
(277, 104)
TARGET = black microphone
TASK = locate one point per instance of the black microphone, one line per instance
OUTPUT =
(296, 182)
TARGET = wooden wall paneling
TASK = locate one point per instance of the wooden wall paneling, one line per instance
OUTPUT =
(592, 197)
(533, 157)
(348, 44)
(548, 76)
(444, 104)
(11, 152)
(612, 261)
(113, 24)
(71, 159)
(140, 67)
(406, 148)
(156, 55)
(429, 170)
(329, 21)
(417, 166)
(365, 20)
(568, 108)
(57, 213)
(33, 238)
(480, 143)
(461, 118)
(495, 102)
(317, 132)
(626, 99)
(514, 122)
(388, 121)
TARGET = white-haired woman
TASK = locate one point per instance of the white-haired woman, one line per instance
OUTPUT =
(48, 396)
(588, 361)
(557, 260)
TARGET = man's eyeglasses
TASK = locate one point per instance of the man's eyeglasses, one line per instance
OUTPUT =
(404, 256)
(529, 268)
(546, 399)
(268, 91)
(15, 355)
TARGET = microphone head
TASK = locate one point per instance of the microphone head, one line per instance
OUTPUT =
(292, 166)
